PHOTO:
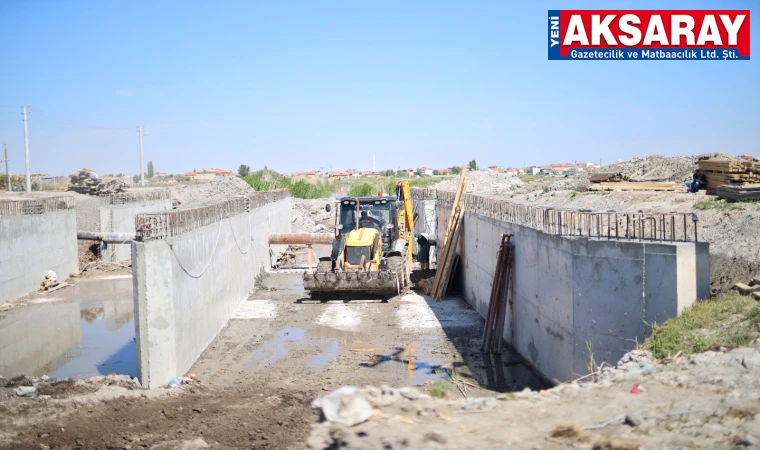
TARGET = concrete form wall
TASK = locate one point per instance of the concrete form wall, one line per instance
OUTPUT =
(120, 218)
(187, 287)
(565, 292)
(30, 245)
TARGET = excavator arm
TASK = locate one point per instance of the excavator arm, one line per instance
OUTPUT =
(405, 217)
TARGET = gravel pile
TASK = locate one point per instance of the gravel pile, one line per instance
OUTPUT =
(88, 211)
(215, 191)
(484, 182)
(662, 168)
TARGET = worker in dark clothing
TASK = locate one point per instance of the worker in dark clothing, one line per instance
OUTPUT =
(698, 180)
(423, 254)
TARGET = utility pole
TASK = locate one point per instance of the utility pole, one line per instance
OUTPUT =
(7, 172)
(28, 182)
(142, 177)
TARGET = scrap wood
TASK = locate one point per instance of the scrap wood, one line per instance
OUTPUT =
(445, 272)
(451, 241)
(59, 286)
(744, 289)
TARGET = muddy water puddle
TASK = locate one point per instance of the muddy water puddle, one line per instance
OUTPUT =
(319, 347)
(86, 331)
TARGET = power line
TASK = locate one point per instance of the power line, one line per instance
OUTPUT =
(55, 119)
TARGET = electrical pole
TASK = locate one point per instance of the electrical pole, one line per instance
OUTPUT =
(142, 178)
(28, 182)
(7, 172)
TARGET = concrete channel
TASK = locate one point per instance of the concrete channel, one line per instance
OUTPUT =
(202, 298)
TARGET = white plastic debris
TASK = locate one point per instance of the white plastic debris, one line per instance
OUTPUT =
(344, 406)
(50, 275)
(25, 390)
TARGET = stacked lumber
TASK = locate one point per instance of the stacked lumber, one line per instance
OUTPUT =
(610, 176)
(440, 284)
(739, 192)
(719, 173)
(752, 289)
(636, 186)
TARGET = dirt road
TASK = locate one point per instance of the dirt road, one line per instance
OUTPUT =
(259, 376)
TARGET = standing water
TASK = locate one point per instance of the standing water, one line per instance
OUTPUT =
(85, 331)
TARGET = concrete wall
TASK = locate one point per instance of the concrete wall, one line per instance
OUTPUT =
(120, 218)
(187, 287)
(565, 292)
(30, 245)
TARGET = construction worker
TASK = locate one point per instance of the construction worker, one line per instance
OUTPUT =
(423, 254)
(698, 180)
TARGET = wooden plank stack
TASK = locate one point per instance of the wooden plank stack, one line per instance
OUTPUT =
(440, 283)
(611, 176)
(752, 289)
(737, 172)
(636, 186)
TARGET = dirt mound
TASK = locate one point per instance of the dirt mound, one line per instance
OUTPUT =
(484, 182)
(662, 168)
(309, 216)
(217, 190)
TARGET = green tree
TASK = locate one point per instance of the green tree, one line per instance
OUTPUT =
(473, 165)
(135, 178)
(456, 170)
(150, 169)
(436, 172)
(389, 173)
(244, 170)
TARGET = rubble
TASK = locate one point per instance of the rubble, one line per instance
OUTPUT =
(662, 168)
(679, 404)
(485, 182)
(217, 190)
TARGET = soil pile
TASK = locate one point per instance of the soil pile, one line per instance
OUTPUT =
(662, 168)
(706, 400)
(484, 182)
(217, 190)
(309, 216)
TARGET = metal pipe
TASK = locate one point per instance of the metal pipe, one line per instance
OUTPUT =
(108, 238)
(301, 238)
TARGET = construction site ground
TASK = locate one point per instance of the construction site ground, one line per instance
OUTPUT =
(259, 376)
(282, 350)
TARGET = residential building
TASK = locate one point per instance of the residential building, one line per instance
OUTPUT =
(425, 171)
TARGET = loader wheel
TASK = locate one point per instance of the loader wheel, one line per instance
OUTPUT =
(324, 266)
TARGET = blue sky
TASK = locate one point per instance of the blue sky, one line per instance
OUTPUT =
(299, 85)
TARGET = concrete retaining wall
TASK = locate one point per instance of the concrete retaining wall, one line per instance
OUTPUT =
(32, 244)
(567, 292)
(187, 287)
(120, 218)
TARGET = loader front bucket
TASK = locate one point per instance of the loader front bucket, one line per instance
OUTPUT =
(352, 285)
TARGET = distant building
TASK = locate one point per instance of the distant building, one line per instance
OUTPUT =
(338, 175)
(425, 171)
(310, 175)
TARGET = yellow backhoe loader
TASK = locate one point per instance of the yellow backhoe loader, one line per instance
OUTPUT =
(371, 254)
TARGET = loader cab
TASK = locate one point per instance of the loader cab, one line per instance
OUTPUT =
(380, 213)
